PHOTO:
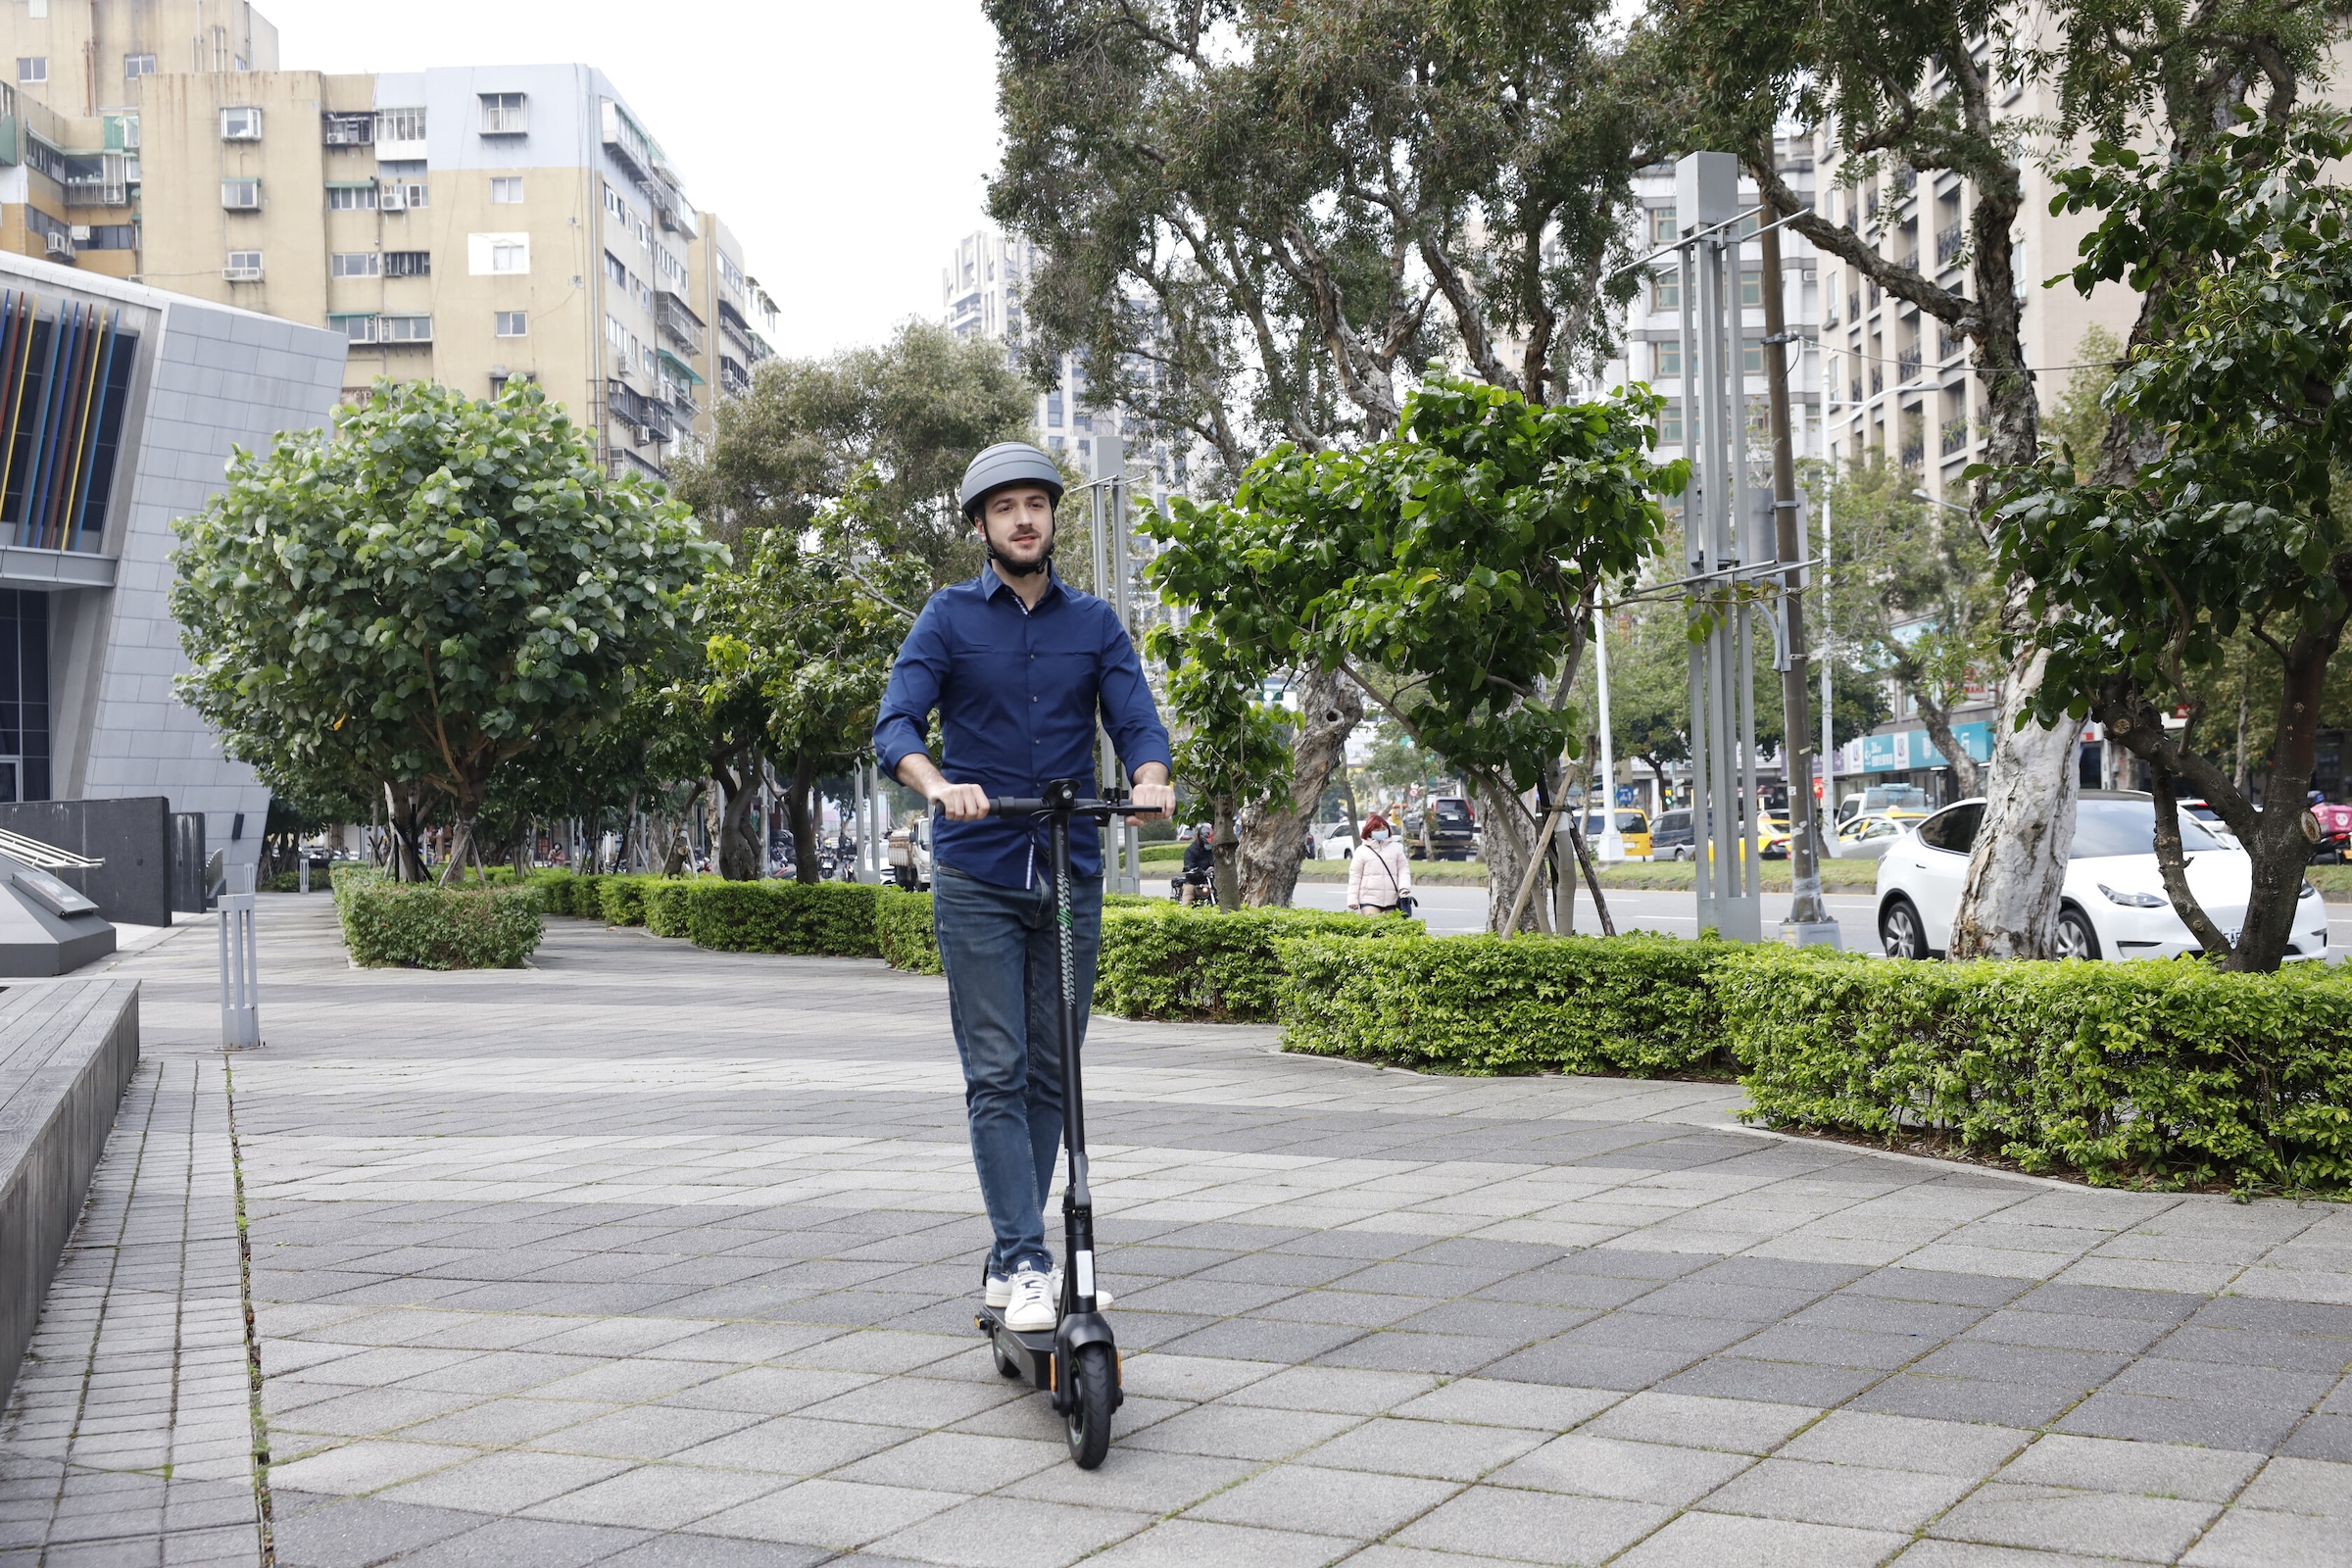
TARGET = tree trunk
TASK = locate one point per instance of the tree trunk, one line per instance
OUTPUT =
(740, 857)
(801, 820)
(1938, 721)
(1507, 840)
(1329, 710)
(2009, 904)
(1226, 847)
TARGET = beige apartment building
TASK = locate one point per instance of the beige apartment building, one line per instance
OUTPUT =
(469, 225)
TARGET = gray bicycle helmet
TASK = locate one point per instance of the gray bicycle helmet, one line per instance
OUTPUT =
(1008, 462)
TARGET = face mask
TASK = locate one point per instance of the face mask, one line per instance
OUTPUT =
(1379, 834)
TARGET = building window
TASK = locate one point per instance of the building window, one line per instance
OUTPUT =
(350, 130)
(1661, 226)
(241, 195)
(1666, 361)
(512, 324)
(241, 124)
(616, 273)
(137, 65)
(1670, 421)
(503, 114)
(498, 253)
(1752, 289)
(32, 68)
(405, 328)
(507, 191)
(1666, 290)
(355, 264)
(357, 328)
(351, 198)
(404, 195)
(110, 237)
(1054, 409)
(398, 125)
(407, 263)
(244, 266)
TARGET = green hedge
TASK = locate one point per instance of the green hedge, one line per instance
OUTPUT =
(620, 900)
(2144, 1073)
(903, 933)
(1637, 1005)
(664, 903)
(829, 918)
(428, 927)
(1165, 961)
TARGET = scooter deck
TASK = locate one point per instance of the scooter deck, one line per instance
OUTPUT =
(1030, 1350)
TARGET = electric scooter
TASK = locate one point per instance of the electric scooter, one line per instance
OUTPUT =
(1077, 1361)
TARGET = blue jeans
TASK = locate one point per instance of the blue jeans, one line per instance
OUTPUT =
(1003, 968)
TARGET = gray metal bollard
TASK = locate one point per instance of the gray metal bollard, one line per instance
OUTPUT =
(240, 964)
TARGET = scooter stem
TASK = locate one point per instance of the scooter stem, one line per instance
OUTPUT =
(1077, 1202)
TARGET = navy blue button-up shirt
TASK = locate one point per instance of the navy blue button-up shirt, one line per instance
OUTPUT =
(1018, 691)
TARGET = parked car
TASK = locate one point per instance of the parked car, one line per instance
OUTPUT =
(2114, 905)
(1868, 837)
(1876, 798)
(2213, 823)
(1442, 828)
(1333, 841)
(1772, 837)
(1671, 836)
(1632, 825)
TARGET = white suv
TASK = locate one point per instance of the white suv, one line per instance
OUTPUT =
(2115, 906)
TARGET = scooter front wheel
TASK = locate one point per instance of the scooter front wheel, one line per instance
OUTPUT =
(1094, 1390)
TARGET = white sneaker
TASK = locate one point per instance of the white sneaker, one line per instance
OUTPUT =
(1000, 1292)
(1031, 1306)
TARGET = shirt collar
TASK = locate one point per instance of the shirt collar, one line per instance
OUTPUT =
(992, 584)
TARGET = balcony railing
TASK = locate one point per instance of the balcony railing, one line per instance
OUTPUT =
(1914, 454)
(1857, 397)
(1946, 345)
(1853, 305)
(1950, 240)
(633, 407)
(1955, 434)
(350, 130)
(1877, 380)
(1909, 258)
(1906, 364)
(677, 323)
(731, 378)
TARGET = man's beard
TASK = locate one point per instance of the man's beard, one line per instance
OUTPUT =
(1018, 568)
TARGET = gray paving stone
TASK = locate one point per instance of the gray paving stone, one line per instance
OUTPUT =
(1634, 1472)
(2152, 1469)
(2247, 1537)
(339, 1533)
(1012, 1533)
(1905, 1443)
(2302, 1485)
(1444, 1451)
(2015, 1404)
(2060, 1519)
(1741, 1426)
(1970, 1554)
(1711, 1539)
(1486, 1522)
(954, 1462)
(507, 1483)
(1349, 1503)
(2211, 1423)
(1242, 1431)
(839, 1515)
(504, 1543)
(687, 1550)
(1187, 1542)
(1860, 1496)
(1733, 1377)
(1346, 1391)
(1136, 1478)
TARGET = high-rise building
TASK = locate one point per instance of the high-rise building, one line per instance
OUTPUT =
(470, 225)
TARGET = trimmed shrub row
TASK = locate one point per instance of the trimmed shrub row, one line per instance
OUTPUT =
(1637, 1005)
(1166, 961)
(426, 927)
(2132, 1073)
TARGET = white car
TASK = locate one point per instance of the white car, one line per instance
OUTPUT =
(1868, 837)
(2115, 906)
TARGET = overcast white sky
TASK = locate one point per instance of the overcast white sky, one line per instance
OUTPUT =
(849, 145)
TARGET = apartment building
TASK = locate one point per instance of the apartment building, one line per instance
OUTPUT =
(469, 225)
(980, 291)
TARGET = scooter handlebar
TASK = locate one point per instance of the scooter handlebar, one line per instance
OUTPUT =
(1023, 805)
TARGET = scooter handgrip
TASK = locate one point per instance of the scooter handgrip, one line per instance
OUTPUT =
(1016, 806)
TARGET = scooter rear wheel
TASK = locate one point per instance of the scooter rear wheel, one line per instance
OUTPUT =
(1007, 1366)
(1092, 1392)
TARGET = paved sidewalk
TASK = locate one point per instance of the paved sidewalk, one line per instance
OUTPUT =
(657, 1256)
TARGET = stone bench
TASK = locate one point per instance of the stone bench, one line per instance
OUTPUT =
(68, 1049)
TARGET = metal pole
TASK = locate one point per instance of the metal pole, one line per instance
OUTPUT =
(1828, 736)
(240, 964)
(1612, 841)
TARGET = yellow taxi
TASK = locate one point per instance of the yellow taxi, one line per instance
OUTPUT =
(1772, 837)
(1632, 825)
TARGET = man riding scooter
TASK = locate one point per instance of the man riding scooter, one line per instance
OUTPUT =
(1199, 864)
(1017, 666)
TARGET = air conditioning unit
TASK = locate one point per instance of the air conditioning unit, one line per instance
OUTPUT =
(392, 199)
(61, 246)
(81, 232)
(241, 275)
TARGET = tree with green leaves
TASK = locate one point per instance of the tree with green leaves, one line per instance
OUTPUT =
(2238, 524)
(908, 413)
(1230, 750)
(1914, 599)
(1448, 572)
(1918, 90)
(1260, 220)
(428, 592)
